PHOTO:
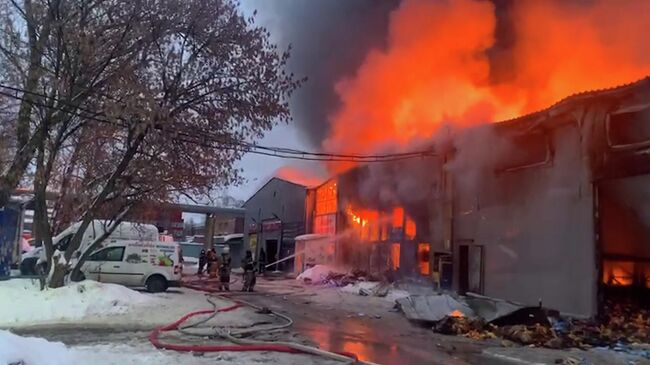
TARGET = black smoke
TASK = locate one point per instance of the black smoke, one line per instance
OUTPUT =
(330, 40)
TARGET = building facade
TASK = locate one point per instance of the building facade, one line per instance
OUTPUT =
(275, 215)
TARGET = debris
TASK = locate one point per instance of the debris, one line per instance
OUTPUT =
(490, 308)
(382, 289)
(524, 316)
(431, 308)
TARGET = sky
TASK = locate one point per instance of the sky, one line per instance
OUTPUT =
(258, 169)
(330, 40)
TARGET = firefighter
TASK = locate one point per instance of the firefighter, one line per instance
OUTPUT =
(202, 261)
(224, 270)
(213, 263)
(249, 272)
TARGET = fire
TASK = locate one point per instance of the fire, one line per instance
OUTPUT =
(456, 313)
(618, 273)
(451, 62)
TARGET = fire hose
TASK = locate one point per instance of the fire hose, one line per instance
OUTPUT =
(240, 344)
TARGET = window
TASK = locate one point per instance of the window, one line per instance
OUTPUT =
(108, 254)
(423, 258)
(326, 198)
(62, 245)
(629, 128)
(532, 149)
(325, 224)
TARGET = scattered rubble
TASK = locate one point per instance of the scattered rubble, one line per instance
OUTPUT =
(625, 328)
(432, 308)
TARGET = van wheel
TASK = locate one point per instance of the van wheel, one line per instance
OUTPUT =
(156, 284)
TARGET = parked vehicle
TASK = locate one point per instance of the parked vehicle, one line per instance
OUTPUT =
(124, 231)
(154, 265)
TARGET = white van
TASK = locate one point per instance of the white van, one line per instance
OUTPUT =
(154, 265)
(124, 231)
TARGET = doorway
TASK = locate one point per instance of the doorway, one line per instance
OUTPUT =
(470, 268)
(272, 252)
(623, 211)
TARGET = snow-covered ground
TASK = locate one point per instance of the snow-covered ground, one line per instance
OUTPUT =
(23, 304)
(37, 351)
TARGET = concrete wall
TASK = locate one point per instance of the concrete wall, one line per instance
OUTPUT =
(536, 227)
(279, 198)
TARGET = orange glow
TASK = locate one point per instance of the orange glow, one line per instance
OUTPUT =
(326, 196)
(456, 313)
(394, 256)
(410, 229)
(366, 222)
(358, 348)
(297, 176)
(398, 217)
(438, 68)
(618, 273)
(424, 250)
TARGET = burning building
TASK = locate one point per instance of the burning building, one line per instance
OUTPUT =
(558, 213)
(552, 206)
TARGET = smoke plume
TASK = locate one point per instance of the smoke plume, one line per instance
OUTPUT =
(330, 39)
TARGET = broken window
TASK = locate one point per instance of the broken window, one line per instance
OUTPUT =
(629, 128)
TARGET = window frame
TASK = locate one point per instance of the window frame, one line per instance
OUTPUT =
(608, 129)
(106, 249)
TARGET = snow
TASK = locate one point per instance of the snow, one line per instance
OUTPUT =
(316, 274)
(32, 350)
(21, 299)
(23, 304)
(37, 351)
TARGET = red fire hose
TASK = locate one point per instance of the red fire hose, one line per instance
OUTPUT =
(155, 341)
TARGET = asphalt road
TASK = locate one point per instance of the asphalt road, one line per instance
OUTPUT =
(388, 339)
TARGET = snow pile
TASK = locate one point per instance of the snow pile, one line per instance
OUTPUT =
(32, 350)
(36, 351)
(316, 275)
(21, 301)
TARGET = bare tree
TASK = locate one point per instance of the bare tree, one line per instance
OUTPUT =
(145, 101)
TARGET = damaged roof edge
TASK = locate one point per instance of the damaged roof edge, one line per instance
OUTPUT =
(578, 97)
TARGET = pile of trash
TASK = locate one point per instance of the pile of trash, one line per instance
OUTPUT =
(478, 317)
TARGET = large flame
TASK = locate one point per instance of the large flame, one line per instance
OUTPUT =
(443, 64)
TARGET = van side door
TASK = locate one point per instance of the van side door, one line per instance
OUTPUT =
(105, 265)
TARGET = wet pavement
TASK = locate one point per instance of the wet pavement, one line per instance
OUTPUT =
(386, 338)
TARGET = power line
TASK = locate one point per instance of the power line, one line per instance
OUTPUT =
(235, 145)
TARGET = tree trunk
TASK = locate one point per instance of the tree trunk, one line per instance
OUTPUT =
(76, 271)
(58, 271)
(26, 145)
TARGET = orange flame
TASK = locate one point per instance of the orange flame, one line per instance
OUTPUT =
(456, 313)
(297, 176)
(442, 65)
